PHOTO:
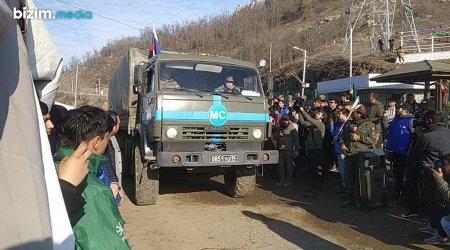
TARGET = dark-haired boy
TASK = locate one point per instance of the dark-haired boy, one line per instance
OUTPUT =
(101, 225)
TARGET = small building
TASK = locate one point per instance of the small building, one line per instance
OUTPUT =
(363, 85)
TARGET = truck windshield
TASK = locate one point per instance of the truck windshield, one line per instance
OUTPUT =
(209, 77)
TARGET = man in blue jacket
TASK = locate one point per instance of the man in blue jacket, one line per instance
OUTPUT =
(336, 130)
(399, 137)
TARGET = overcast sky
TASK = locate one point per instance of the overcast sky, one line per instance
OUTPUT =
(75, 37)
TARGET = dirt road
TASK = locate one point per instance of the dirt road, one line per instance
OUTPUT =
(196, 214)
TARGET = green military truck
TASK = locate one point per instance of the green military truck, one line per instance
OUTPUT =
(175, 114)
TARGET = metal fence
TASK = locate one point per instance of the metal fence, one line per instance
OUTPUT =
(384, 95)
(428, 44)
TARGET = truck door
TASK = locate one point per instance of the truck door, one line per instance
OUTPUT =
(149, 101)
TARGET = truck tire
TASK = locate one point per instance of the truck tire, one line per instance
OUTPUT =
(240, 181)
(127, 150)
(146, 180)
(126, 167)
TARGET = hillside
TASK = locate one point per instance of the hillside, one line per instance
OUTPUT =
(317, 26)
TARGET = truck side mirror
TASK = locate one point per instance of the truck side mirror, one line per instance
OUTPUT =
(138, 72)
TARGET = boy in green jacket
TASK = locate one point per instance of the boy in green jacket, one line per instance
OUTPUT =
(99, 225)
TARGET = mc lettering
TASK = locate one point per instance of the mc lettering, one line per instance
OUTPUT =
(213, 115)
(222, 115)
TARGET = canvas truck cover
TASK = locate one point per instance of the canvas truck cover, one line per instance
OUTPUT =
(121, 97)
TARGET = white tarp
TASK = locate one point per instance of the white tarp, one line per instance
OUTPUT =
(121, 98)
(33, 213)
(44, 59)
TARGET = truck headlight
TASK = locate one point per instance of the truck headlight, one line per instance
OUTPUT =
(171, 133)
(257, 133)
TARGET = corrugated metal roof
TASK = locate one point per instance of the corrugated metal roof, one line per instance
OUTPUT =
(417, 72)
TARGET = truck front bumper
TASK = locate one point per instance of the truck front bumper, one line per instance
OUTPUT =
(213, 158)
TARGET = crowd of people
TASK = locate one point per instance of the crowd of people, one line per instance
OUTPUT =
(84, 158)
(322, 136)
(318, 136)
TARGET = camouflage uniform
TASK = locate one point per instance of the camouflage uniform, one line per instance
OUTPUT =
(224, 89)
(287, 143)
(168, 84)
(376, 113)
(365, 130)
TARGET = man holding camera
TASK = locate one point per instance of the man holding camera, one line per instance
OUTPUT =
(315, 132)
(441, 172)
(430, 147)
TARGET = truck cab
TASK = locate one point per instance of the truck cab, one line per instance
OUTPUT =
(200, 114)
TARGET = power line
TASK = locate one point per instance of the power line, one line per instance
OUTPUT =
(117, 21)
(98, 14)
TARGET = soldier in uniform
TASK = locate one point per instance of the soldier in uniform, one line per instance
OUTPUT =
(166, 81)
(359, 136)
(229, 87)
(375, 113)
(288, 147)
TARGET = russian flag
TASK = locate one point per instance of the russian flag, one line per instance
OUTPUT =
(155, 48)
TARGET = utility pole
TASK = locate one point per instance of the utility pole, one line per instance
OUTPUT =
(304, 69)
(270, 71)
(351, 51)
(76, 87)
(99, 85)
(304, 75)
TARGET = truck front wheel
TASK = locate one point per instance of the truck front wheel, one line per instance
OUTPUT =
(146, 180)
(240, 181)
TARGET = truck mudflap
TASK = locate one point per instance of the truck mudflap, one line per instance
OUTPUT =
(222, 158)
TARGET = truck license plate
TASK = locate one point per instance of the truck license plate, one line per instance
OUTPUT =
(223, 158)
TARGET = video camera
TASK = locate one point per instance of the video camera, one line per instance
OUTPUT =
(420, 121)
(430, 165)
(438, 164)
(302, 104)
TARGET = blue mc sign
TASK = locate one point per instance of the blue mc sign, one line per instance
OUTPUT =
(217, 115)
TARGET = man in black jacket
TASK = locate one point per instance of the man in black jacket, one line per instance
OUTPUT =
(430, 147)
(315, 133)
(72, 170)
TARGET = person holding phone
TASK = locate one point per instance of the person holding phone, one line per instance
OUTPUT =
(441, 173)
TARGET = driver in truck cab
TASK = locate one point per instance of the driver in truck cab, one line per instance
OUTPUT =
(166, 81)
(229, 87)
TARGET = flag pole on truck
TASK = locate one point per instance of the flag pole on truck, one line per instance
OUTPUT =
(155, 48)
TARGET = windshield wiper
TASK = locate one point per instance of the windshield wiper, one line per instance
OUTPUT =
(187, 90)
(248, 97)
(216, 93)
(234, 94)
(193, 91)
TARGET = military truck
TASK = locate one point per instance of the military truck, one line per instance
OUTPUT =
(176, 113)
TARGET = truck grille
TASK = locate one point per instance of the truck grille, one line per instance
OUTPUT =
(199, 133)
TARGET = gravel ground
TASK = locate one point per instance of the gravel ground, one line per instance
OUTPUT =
(195, 213)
